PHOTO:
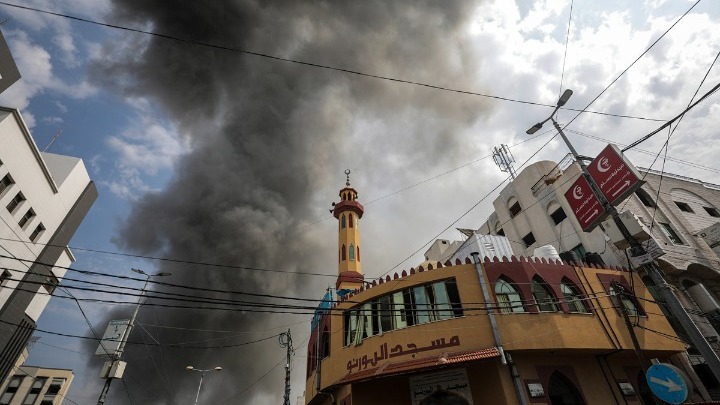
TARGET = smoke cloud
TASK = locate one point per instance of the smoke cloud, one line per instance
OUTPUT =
(266, 137)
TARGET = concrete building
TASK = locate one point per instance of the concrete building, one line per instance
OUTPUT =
(500, 331)
(30, 385)
(678, 214)
(43, 199)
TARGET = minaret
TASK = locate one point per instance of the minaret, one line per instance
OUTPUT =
(348, 212)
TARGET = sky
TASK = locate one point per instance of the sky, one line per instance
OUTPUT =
(218, 149)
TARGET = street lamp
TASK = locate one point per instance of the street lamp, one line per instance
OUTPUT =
(561, 102)
(202, 375)
(123, 341)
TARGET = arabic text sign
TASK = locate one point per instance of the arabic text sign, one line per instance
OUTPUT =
(110, 343)
(384, 352)
(585, 205)
(454, 381)
(667, 383)
(615, 176)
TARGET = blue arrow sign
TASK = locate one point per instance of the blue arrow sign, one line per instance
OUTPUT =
(667, 383)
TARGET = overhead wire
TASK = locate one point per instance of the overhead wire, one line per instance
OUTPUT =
(295, 61)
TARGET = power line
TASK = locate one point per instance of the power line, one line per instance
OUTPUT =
(632, 64)
(299, 62)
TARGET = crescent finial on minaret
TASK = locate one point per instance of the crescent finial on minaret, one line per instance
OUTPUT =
(347, 173)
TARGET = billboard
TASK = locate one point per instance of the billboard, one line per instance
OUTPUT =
(615, 176)
(114, 335)
(585, 204)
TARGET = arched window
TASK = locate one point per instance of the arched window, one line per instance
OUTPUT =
(350, 218)
(622, 296)
(544, 298)
(562, 392)
(573, 297)
(351, 251)
(514, 207)
(342, 253)
(508, 297)
(358, 255)
(342, 221)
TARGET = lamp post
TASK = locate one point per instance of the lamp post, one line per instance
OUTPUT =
(202, 376)
(121, 347)
(637, 249)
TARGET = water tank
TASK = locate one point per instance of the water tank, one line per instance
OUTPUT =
(547, 251)
(570, 257)
(594, 258)
(703, 298)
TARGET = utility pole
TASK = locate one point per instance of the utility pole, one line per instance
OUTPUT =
(504, 159)
(637, 249)
(620, 293)
(116, 358)
(286, 341)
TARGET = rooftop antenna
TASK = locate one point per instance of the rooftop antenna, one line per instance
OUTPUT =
(57, 135)
(504, 159)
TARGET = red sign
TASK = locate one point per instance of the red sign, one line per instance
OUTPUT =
(616, 176)
(585, 204)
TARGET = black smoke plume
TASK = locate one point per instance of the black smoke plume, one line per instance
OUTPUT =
(266, 135)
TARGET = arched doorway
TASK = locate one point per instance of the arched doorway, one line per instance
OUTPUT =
(442, 397)
(562, 392)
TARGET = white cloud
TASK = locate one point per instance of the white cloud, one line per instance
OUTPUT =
(53, 120)
(35, 65)
(143, 150)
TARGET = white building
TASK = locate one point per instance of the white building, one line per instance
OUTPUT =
(43, 199)
(680, 212)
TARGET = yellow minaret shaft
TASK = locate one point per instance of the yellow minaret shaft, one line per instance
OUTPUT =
(348, 213)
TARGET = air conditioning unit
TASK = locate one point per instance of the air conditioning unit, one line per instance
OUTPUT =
(634, 226)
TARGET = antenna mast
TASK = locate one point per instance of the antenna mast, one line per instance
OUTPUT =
(504, 159)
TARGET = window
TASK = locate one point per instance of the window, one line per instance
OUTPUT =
(27, 217)
(712, 212)
(515, 209)
(6, 182)
(683, 206)
(350, 219)
(19, 197)
(412, 306)
(670, 233)
(562, 391)
(558, 215)
(342, 253)
(342, 221)
(35, 389)
(53, 390)
(508, 297)
(500, 232)
(358, 252)
(37, 232)
(529, 239)
(645, 198)
(621, 295)
(351, 252)
(573, 297)
(11, 389)
(580, 251)
(544, 298)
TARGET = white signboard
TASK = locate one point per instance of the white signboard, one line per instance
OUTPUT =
(114, 334)
(443, 384)
(653, 252)
(711, 235)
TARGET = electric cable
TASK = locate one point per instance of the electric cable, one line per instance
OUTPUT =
(299, 62)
